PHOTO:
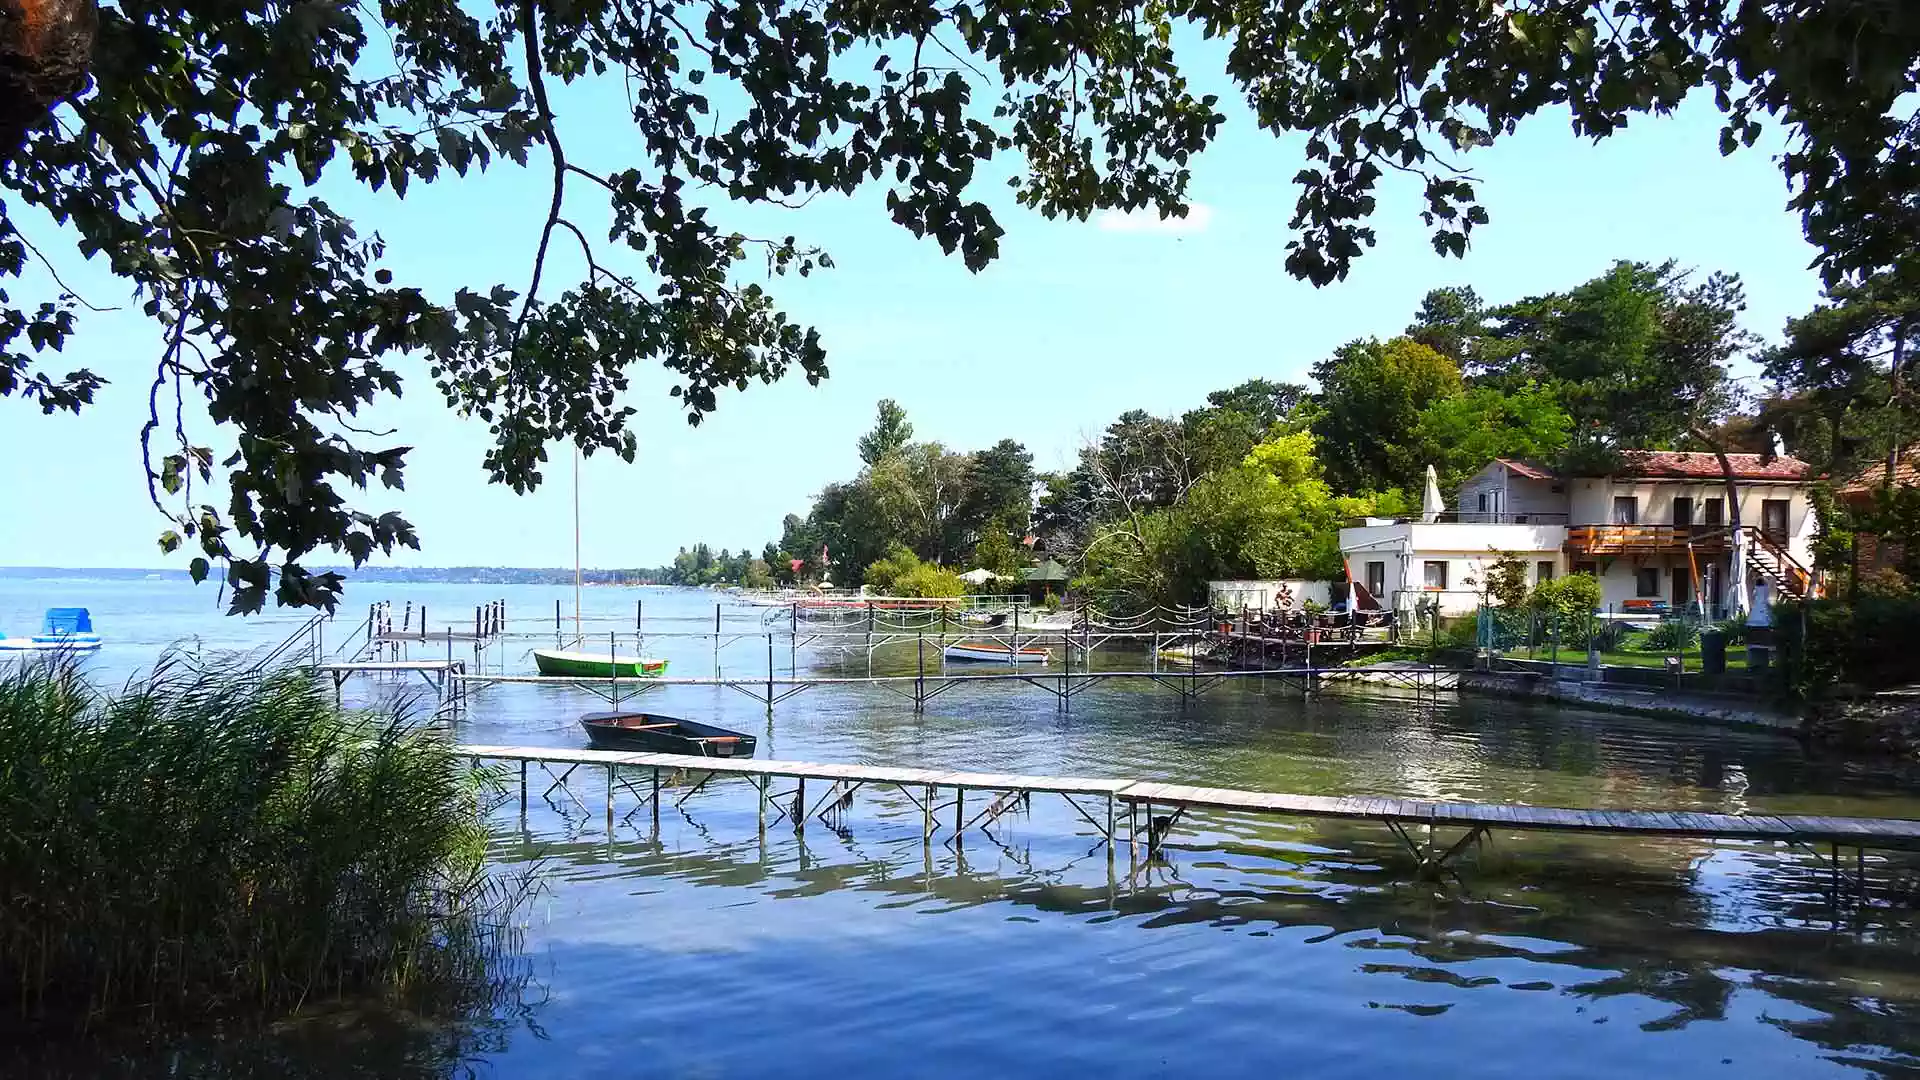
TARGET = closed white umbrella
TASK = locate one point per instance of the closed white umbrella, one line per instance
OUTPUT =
(1431, 505)
(978, 576)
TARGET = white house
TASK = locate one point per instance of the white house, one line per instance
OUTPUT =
(1657, 533)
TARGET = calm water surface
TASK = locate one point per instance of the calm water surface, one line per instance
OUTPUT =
(689, 944)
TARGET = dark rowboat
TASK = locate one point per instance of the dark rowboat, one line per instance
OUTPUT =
(656, 734)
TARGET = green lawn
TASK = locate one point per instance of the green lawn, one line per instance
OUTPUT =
(1689, 658)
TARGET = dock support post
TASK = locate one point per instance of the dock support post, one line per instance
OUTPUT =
(800, 804)
(769, 672)
(919, 679)
(523, 788)
(926, 808)
(1065, 703)
(1109, 826)
(760, 785)
(959, 812)
(609, 802)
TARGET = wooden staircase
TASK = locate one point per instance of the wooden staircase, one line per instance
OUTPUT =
(1769, 559)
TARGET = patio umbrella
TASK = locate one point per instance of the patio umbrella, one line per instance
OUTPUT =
(1431, 505)
(978, 576)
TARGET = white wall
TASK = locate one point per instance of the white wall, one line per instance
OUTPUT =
(1261, 595)
(1480, 539)
(1592, 500)
(1468, 551)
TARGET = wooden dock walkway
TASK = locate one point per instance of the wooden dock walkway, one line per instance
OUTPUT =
(1146, 811)
(442, 675)
(1186, 681)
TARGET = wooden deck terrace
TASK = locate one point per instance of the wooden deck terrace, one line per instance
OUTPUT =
(1146, 811)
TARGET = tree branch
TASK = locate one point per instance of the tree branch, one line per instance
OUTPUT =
(529, 28)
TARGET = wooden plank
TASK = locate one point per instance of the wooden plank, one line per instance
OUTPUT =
(1410, 812)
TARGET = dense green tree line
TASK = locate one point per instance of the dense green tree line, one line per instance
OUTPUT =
(1643, 356)
(911, 504)
(1256, 483)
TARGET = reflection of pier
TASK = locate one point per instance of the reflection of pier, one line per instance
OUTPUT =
(1187, 682)
(1144, 813)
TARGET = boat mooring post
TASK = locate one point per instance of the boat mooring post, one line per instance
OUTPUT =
(423, 622)
(920, 678)
(523, 790)
(800, 804)
(769, 672)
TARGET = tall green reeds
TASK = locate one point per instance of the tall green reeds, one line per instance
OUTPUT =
(209, 841)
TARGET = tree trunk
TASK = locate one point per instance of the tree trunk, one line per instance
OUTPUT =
(1737, 562)
(1898, 374)
(45, 47)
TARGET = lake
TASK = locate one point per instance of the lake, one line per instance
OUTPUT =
(692, 945)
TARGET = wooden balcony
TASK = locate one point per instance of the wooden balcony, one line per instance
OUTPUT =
(1647, 539)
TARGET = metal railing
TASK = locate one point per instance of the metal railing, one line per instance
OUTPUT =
(1622, 539)
(1464, 517)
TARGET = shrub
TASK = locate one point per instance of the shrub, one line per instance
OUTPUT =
(1506, 580)
(211, 841)
(1825, 645)
(1734, 629)
(884, 573)
(1886, 583)
(1672, 635)
(927, 579)
(1568, 604)
(901, 573)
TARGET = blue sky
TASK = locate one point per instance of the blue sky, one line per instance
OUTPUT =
(1076, 322)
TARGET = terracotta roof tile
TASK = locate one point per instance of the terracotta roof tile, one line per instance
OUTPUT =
(1680, 465)
(1906, 473)
(1526, 469)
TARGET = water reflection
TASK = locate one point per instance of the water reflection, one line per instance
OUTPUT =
(1660, 935)
(451, 1034)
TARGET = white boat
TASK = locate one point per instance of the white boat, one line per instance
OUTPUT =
(44, 643)
(995, 652)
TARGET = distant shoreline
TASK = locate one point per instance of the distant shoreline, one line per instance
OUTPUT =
(420, 575)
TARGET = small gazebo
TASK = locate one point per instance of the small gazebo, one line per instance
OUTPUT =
(1044, 581)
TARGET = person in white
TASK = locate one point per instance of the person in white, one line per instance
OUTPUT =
(1762, 613)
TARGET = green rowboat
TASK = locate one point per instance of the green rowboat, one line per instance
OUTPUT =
(597, 665)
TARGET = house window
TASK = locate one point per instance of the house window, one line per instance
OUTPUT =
(1377, 580)
(1682, 511)
(1587, 568)
(1436, 574)
(1482, 502)
(1543, 570)
(1626, 510)
(1646, 581)
(1773, 518)
(1715, 512)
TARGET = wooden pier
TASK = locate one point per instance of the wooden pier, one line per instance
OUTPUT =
(1143, 813)
(1187, 682)
(442, 675)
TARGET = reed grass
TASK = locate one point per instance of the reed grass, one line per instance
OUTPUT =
(209, 841)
